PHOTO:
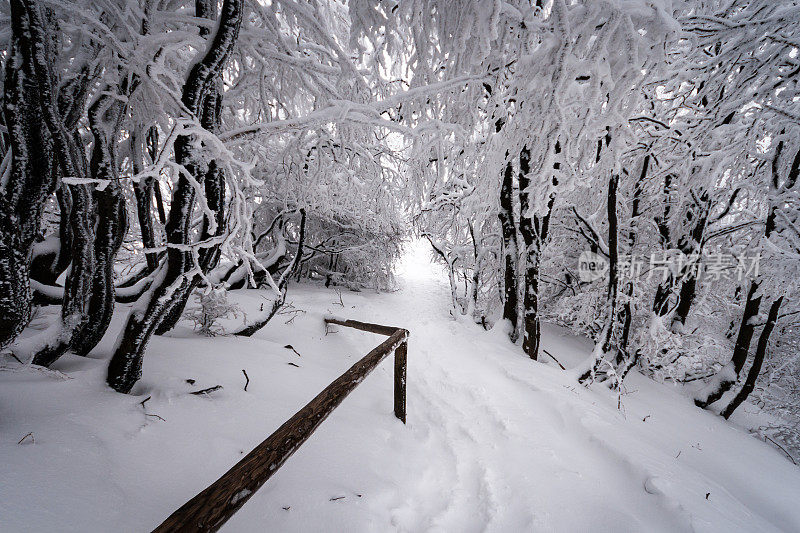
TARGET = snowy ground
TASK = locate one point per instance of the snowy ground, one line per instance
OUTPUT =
(494, 441)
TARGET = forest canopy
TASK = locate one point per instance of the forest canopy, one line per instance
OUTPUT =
(625, 168)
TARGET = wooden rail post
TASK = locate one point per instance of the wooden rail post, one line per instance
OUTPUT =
(400, 381)
(212, 507)
(400, 356)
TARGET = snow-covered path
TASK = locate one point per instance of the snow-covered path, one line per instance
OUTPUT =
(494, 441)
(507, 454)
(500, 443)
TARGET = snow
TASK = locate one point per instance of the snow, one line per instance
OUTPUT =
(494, 441)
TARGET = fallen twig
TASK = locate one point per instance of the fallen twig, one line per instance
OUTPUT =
(289, 309)
(247, 378)
(290, 347)
(298, 366)
(554, 359)
(12, 354)
(143, 401)
(155, 416)
(33, 440)
(336, 498)
(781, 447)
(206, 391)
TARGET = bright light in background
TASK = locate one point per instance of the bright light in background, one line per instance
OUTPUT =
(416, 263)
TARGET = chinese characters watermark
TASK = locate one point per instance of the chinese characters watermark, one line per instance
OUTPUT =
(661, 266)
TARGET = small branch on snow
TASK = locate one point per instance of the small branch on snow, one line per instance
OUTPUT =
(290, 347)
(247, 378)
(12, 354)
(206, 391)
(33, 440)
(782, 449)
(554, 359)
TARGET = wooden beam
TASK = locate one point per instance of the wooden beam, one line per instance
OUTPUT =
(212, 507)
(400, 381)
(363, 326)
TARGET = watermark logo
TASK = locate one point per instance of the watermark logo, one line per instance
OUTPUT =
(591, 266)
(672, 264)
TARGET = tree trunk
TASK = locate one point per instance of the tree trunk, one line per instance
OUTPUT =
(758, 360)
(533, 230)
(690, 245)
(172, 283)
(613, 259)
(626, 360)
(78, 286)
(32, 178)
(214, 191)
(143, 191)
(46, 267)
(530, 322)
(209, 103)
(740, 350)
(725, 379)
(74, 309)
(605, 343)
(510, 251)
(112, 218)
(664, 289)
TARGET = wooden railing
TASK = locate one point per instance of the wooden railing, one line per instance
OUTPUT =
(212, 507)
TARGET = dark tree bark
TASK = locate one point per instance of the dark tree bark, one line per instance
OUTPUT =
(473, 294)
(70, 157)
(664, 289)
(758, 360)
(534, 230)
(152, 150)
(691, 244)
(740, 348)
(105, 116)
(607, 340)
(173, 281)
(48, 266)
(725, 381)
(78, 286)
(214, 191)
(625, 359)
(613, 259)
(144, 191)
(32, 177)
(531, 327)
(208, 103)
(510, 251)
